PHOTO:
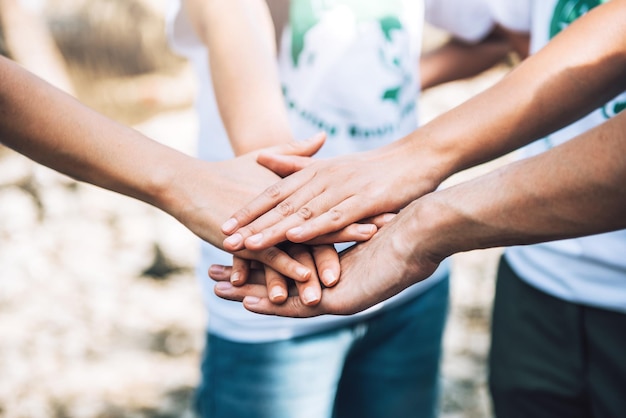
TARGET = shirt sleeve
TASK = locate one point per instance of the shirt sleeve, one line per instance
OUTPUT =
(468, 20)
(512, 14)
(180, 34)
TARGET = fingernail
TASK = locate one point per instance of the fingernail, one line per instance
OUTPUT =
(303, 272)
(277, 292)
(216, 269)
(251, 300)
(234, 240)
(235, 277)
(388, 217)
(230, 225)
(255, 239)
(223, 286)
(329, 277)
(296, 231)
(317, 136)
(309, 296)
(366, 229)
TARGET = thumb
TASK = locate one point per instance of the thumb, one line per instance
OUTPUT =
(306, 148)
(283, 165)
(286, 159)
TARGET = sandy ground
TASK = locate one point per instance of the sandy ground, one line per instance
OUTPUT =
(100, 314)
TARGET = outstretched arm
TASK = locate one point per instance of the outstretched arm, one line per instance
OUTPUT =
(457, 59)
(56, 130)
(575, 189)
(588, 58)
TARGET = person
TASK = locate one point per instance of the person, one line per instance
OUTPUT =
(56, 130)
(563, 293)
(351, 69)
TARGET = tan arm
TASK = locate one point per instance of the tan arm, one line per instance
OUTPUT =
(457, 60)
(56, 130)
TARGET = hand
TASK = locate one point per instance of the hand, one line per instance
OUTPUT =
(323, 260)
(395, 258)
(202, 205)
(325, 196)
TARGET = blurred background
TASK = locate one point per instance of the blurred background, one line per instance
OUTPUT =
(100, 313)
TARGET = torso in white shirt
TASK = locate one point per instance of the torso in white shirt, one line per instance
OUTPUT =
(347, 67)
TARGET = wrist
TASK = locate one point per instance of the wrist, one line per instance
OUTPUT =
(420, 164)
(165, 183)
(431, 229)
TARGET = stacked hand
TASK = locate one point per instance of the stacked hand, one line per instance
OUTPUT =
(318, 199)
(324, 196)
(242, 178)
(371, 272)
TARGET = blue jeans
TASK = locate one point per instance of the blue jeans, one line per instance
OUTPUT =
(385, 366)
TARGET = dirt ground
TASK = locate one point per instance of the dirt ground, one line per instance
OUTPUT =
(100, 313)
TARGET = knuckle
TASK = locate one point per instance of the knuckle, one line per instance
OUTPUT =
(305, 213)
(271, 255)
(284, 209)
(294, 305)
(243, 213)
(335, 215)
(273, 191)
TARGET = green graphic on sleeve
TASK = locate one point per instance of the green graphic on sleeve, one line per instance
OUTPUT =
(305, 14)
(567, 11)
(613, 108)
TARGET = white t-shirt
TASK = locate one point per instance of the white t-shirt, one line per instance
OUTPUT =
(347, 67)
(467, 20)
(589, 270)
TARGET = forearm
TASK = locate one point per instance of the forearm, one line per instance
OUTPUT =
(56, 130)
(458, 60)
(575, 189)
(240, 39)
(579, 70)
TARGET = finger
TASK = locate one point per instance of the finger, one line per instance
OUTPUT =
(282, 262)
(380, 220)
(355, 232)
(219, 272)
(307, 205)
(358, 232)
(293, 307)
(240, 271)
(275, 193)
(270, 207)
(327, 264)
(226, 290)
(269, 229)
(283, 165)
(276, 286)
(343, 214)
(310, 291)
(303, 148)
